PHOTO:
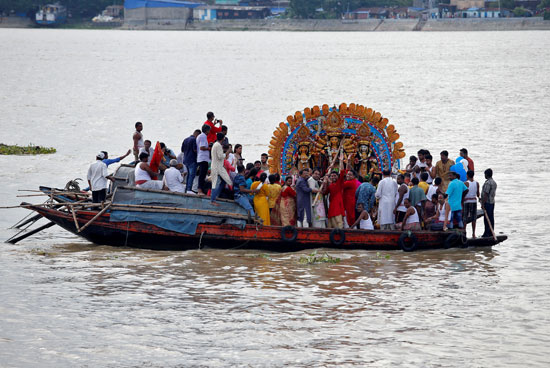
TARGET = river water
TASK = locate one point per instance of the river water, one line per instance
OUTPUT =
(65, 302)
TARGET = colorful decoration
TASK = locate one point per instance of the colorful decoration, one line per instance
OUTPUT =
(313, 138)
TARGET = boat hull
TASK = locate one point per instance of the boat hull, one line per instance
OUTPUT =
(272, 238)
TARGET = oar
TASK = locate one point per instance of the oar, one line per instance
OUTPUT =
(15, 240)
(489, 223)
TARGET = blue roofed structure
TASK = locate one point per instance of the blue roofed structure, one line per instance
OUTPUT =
(158, 12)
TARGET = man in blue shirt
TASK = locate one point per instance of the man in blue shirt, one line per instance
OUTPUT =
(189, 149)
(240, 191)
(455, 191)
(107, 161)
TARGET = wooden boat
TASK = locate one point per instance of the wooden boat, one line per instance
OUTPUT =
(97, 226)
(163, 220)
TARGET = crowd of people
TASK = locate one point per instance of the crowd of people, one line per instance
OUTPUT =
(422, 196)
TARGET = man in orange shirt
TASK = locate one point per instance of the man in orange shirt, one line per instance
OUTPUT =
(214, 130)
(464, 154)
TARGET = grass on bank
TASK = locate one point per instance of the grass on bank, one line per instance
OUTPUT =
(25, 150)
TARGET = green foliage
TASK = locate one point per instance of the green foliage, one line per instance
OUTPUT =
(546, 15)
(306, 9)
(313, 258)
(507, 4)
(520, 11)
(25, 150)
(544, 4)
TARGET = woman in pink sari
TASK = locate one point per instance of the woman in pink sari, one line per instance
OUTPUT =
(287, 204)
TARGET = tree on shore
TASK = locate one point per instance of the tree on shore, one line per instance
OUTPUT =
(307, 9)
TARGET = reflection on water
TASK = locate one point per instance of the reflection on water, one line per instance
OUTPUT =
(65, 302)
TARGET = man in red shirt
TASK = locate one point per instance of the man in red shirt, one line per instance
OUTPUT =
(336, 210)
(464, 155)
(211, 137)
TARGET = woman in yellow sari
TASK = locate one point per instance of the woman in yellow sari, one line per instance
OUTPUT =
(261, 205)
(273, 193)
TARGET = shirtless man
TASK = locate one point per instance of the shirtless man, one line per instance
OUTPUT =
(138, 140)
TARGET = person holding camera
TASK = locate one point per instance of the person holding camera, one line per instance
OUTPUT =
(214, 130)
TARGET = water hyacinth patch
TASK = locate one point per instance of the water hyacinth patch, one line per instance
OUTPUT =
(25, 150)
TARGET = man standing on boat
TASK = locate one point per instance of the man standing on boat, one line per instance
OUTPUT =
(138, 140)
(464, 155)
(189, 149)
(213, 128)
(218, 173)
(488, 202)
(386, 193)
(303, 199)
(455, 191)
(203, 158)
(335, 189)
(365, 193)
(108, 161)
(443, 170)
(97, 179)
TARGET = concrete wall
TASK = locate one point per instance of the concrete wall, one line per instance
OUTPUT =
(157, 16)
(16, 22)
(286, 25)
(486, 24)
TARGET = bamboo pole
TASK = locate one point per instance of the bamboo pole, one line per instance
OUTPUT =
(95, 217)
(74, 218)
(489, 223)
(54, 193)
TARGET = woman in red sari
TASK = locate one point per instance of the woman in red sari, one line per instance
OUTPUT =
(286, 204)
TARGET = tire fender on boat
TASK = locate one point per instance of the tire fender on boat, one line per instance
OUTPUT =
(403, 241)
(337, 232)
(451, 240)
(287, 229)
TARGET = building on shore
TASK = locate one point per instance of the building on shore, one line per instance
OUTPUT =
(158, 12)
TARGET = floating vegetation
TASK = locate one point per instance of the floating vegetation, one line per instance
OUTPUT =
(262, 255)
(379, 255)
(25, 150)
(313, 258)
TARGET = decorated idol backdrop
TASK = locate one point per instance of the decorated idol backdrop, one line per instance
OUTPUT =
(313, 139)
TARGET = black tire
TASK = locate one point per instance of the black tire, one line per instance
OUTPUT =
(286, 229)
(403, 241)
(337, 232)
(451, 240)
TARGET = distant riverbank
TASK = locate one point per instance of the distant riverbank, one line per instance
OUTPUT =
(316, 25)
(364, 25)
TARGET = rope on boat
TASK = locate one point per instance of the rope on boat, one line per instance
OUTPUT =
(127, 229)
(200, 240)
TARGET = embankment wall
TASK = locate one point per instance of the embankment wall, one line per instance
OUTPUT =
(15, 22)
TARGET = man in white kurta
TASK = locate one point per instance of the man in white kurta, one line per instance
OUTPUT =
(218, 174)
(386, 192)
